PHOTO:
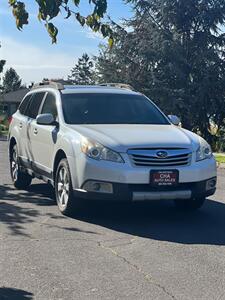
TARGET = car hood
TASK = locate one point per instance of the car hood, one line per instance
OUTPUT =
(123, 137)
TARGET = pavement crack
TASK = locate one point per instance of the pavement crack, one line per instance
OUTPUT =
(135, 267)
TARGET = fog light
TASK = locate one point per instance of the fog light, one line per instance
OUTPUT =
(98, 187)
(210, 184)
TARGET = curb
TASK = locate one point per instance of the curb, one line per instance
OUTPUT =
(3, 138)
(219, 153)
(220, 165)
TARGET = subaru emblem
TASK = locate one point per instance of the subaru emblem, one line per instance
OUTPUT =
(162, 154)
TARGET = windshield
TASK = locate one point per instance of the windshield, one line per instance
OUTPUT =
(110, 109)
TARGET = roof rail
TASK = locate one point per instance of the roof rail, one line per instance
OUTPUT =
(118, 85)
(52, 84)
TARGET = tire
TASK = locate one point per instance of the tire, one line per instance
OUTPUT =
(190, 205)
(20, 179)
(67, 203)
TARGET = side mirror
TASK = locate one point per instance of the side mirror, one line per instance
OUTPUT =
(45, 119)
(174, 120)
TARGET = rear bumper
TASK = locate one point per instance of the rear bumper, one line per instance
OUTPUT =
(141, 192)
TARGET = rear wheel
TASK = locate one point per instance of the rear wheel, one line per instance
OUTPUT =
(66, 201)
(20, 179)
(191, 204)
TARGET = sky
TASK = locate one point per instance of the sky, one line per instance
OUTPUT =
(30, 51)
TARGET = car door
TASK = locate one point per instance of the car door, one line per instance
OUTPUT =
(32, 112)
(44, 137)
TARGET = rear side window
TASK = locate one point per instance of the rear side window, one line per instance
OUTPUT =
(33, 108)
(49, 106)
(24, 104)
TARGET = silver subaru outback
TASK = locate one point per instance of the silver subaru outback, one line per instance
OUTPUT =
(107, 142)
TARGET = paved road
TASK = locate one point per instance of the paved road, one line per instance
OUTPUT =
(131, 252)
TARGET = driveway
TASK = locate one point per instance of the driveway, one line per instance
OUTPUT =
(149, 251)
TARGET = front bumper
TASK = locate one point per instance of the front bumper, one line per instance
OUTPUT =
(133, 183)
(85, 168)
(141, 192)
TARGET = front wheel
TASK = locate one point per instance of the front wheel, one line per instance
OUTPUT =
(190, 204)
(20, 179)
(66, 201)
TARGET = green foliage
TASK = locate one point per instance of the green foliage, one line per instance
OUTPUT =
(52, 30)
(19, 12)
(220, 159)
(220, 141)
(11, 81)
(2, 63)
(109, 66)
(50, 9)
(83, 72)
(174, 52)
(4, 123)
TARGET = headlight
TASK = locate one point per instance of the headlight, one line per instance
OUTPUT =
(204, 151)
(99, 152)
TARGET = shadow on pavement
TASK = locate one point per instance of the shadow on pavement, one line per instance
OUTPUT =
(40, 194)
(15, 216)
(154, 220)
(14, 294)
(162, 221)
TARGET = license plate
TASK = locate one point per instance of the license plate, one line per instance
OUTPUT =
(164, 177)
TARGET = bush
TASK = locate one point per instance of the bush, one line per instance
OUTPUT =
(3, 127)
(4, 123)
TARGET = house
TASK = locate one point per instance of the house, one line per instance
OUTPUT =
(9, 102)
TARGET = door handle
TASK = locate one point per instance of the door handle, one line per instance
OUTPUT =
(21, 125)
(35, 131)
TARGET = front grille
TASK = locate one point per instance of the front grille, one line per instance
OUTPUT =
(151, 157)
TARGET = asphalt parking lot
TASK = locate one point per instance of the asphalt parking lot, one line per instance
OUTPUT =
(149, 251)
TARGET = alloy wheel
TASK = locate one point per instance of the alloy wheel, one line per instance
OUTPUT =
(14, 165)
(63, 187)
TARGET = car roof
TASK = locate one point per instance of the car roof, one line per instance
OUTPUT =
(107, 88)
(73, 89)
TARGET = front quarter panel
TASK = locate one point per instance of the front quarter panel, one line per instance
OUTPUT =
(69, 143)
(194, 138)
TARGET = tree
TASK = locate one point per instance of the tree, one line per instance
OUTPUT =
(175, 53)
(83, 72)
(11, 81)
(49, 9)
(2, 63)
(109, 66)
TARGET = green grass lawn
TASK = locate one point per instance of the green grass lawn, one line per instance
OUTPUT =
(220, 158)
